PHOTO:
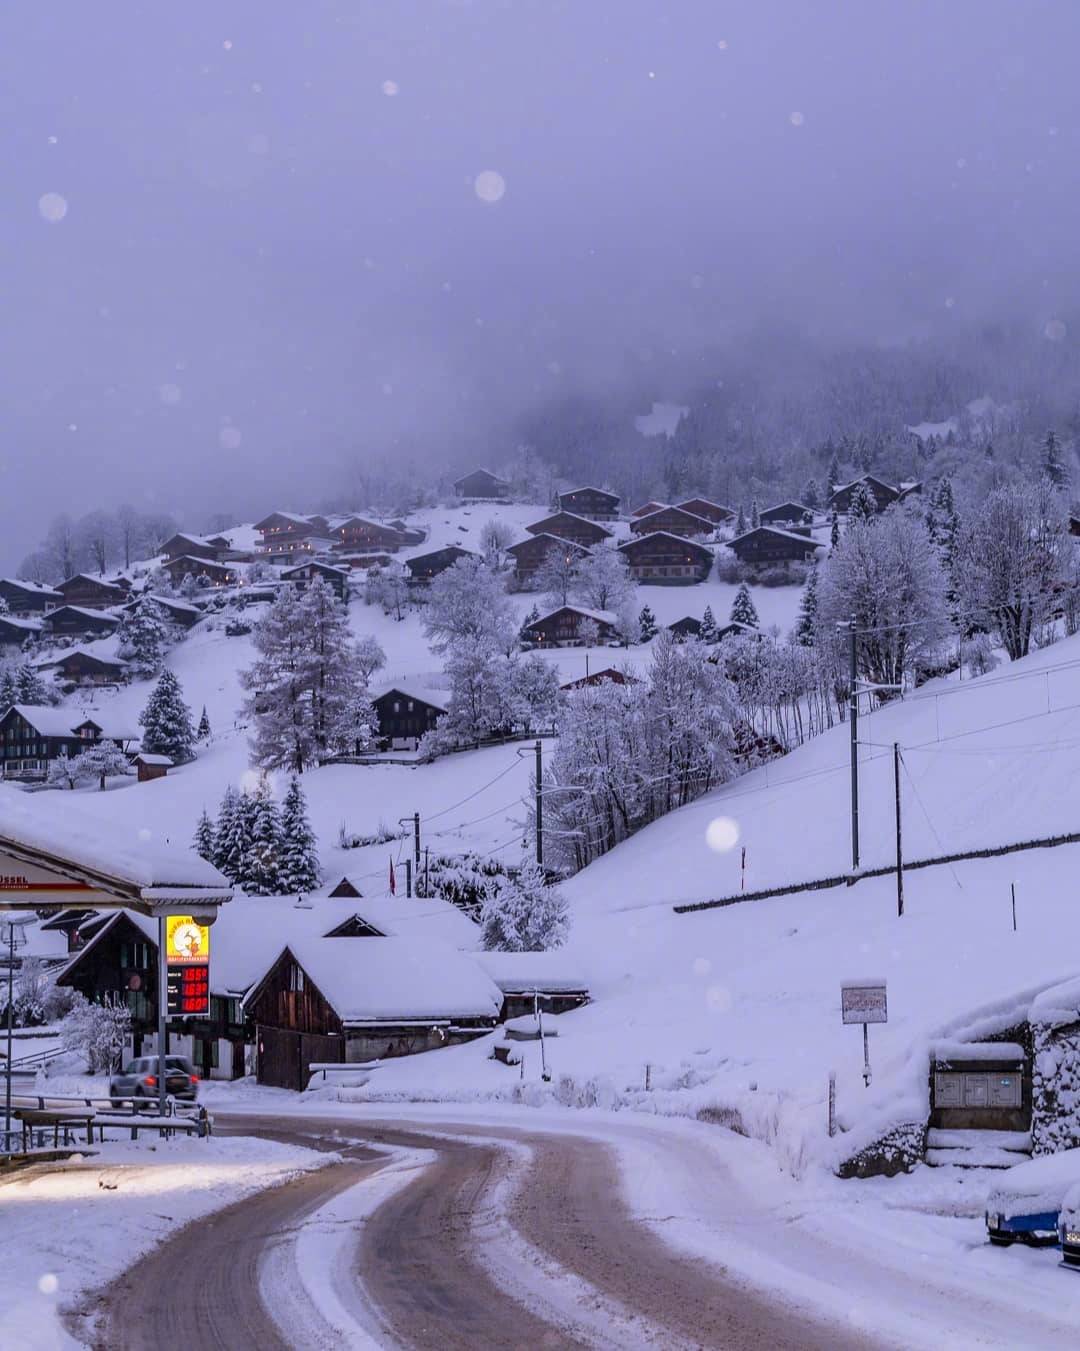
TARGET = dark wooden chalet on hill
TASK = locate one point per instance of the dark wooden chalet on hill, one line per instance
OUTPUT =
(647, 509)
(356, 534)
(33, 735)
(885, 494)
(786, 514)
(404, 716)
(84, 669)
(687, 627)
(663, 559)
(768, 544)
(92, 593)
(593, 503)
(14, 631)
(197, 546)
(736, 629)
(28, 598)
(179, 612)
(566, 525)
(708, 511)
(424, 567)
(571, 626)
(287, 537)
(609, 675)
(672, 521)
(204, 570)
(481, 483)
(75, 621)
(337, 579)
(530, 553)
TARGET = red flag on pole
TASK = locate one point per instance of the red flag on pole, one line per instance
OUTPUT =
(393, 883)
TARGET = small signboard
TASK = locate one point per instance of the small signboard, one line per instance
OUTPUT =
(864, 1002)
(187, 967)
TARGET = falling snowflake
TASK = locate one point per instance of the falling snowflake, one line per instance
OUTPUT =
(52, 207)
(797, 119)
(489, 185)
(1055, 330)
(722, 834)
(390, 88)
(169, 393)
(229, 438)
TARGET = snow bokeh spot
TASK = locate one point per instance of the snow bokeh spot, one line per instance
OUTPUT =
(144, 834)
(48, 1283)
(722, 834)
(1055, 330)
(390, 88)
(230, 438)
(701, 966)
(52, 207)
(718, 998)
(169, 393)
(489, 186)
(722, 44)
(797, 119)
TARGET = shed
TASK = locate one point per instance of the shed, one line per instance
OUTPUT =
(608, 675)
(524, 976)
(152, 766)
(687, 627)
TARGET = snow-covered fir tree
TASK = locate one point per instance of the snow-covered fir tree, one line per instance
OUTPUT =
(203, 840)
(263, 856)
(189, 587)
(299, 862)
(755, 515)
(144, 636)
(524, 915)
(646, 625)
(743, 610)
(811, 494)
(1053, 463)
(21, 684)
(230, 836)
(740, 521)
(708, 632)
(834, 529)
(203, 731)
(334, 680)
(527, 624)
(806, 624)
(166, 721)
(862, 504)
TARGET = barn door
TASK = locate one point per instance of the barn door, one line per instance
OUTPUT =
(278, 1062)
(315, 1048)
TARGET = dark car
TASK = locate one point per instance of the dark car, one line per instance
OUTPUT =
(139, 1079)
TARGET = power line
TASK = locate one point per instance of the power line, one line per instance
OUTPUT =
(482, 789)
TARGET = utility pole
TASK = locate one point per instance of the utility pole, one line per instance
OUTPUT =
(899, 846)
(162, 1001)
(427, 871)
(408, 877)
(416, 837)
(539, 808)
(10, 1027)
(853, 718)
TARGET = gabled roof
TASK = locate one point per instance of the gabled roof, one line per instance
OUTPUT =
(484, 471)
(99, 616)
(170, 603)
(686, 503)
(774, 530)
(865, 478)
(148, 927)
(430, 697)
(455, 549)
(524, 972)
(536, 527)
(290, 516)
(417, 917)
(15, 622)
(82, 653)
(609, 673)
(588, 488)
(781, 505)
(677, 540)
(647, 508)
(556, 540)
(202, 563)
(703, 521)
(343, 573)
(599, 616)
(49, 721)
(31, 588)
(95, 581)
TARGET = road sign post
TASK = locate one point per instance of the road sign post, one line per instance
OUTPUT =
(866, 1002)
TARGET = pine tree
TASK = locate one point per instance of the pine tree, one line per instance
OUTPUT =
(529, 621)
(806, 624)
(299, 849)
(166, 721)
(862, 504)
(524, 915)
(230, 837)
(1053, 465)
(755, 515)
(708, 632)
(834, 531)
(203, 842)
(743, 610)
(740, 522)
(143, 638)
(988, 451)
(812, 494)
(334, 681)
(203, 732)
(646, 625)
(262, 859)
(833, 479)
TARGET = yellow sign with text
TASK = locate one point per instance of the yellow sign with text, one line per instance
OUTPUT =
(186, 940)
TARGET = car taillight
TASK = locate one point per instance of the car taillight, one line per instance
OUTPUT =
(194, 1078)
(150, 1081)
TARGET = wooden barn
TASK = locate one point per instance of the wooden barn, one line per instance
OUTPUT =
(593, 503)
(565, 525)
(708, 511)
(33, 735)
(14, 631)
(343, 1001)
(423, 567)
(736, 629)
(76, 621)
(196, 546)
(404, 716)
(569, 626)
(646, 509)
(86, 670)
(672, 521)
(687, 627)
(356, 534)
(787, 514)
(481, 483)
(885, 494)
(663, 559)
(92, 593)
(28, 598)
(768, 544)
(204, 570)
(337, 579)
(530, 553)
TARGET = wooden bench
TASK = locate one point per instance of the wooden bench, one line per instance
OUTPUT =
(60, 1120)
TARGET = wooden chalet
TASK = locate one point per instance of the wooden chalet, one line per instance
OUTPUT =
(337, 579)
(565, 525)
(709, 511)
(423, 567)
(769, 544)
(92, 593)
(530, 553)
(481, 483)
(196, 546)
(885, 494)
(179, 612)
(787, 514)
(28, 598)
(287, 537)
(664, 559)
(595, 504)
(736, 629)
(149, 767)
(568, 626)
(33, 735)
(404, 716)
(85, 670)
(204, 570)
(14, 631)
(609, 675)
(687, 627)
(356, 534)
(341, 1001)
(672, 521)
(76, 621)
(647, 509)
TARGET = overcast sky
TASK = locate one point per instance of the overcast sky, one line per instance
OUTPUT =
(245, 242)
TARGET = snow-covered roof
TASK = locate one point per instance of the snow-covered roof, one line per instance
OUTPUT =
(600, 616)
(573, 515)
(588, 488)
(49, 721)
(319, 566)
(35, 588)
(523, 972)
(27, 625)
(172, 603)
(85, 577)
(1058, 1005)
(554, 539)
(285, 516)
(388, 980)
(976, 1050)
(82, 610)
(663, 534)
(417, 917)
(481, 470)
(436, 698)
(144, 759)
(775, 530)
(81, 652)
(203, 563)
(682, 512)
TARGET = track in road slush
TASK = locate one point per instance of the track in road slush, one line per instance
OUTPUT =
(417, 1258)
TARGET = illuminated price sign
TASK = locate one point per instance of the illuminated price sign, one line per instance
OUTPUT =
(187, 958)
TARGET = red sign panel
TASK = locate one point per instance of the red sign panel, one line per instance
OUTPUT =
(188, 988)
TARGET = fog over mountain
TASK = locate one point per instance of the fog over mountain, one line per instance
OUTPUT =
(250, 246)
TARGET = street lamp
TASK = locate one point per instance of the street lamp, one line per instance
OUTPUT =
(12, 933)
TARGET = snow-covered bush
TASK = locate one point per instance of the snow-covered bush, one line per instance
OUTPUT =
(979, 654)
(525, 915)
(97, 1031)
